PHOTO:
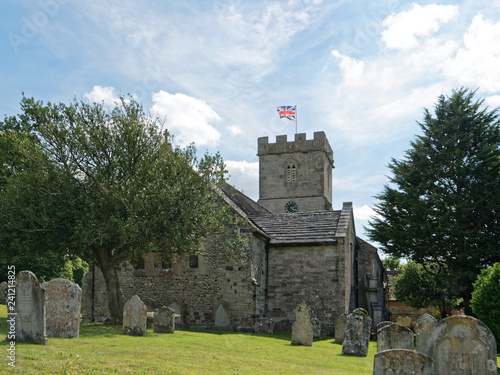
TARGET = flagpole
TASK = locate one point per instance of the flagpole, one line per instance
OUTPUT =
(296, 118)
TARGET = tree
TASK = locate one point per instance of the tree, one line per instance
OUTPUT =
(442, 206)
(103, 184)
(486, 299)
(418, 288)
(392, 264)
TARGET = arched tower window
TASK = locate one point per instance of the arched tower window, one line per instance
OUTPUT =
(291, 173)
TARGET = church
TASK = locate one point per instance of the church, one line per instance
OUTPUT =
(299, 249)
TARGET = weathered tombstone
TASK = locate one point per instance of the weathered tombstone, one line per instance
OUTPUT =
(402, 362)
(264, 325)
(3, 292)
(340, 324)
(316, 323)
(302, 328)
(134, 317)
(357, 333)
(383, 324)
(63, 302)
(462, 344)
(423, 327)
(222, 316)
(177, 306)
(404, 321)
(30, 309)
(164, 320)
(394, 336)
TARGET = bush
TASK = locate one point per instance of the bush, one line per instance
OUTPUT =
(486, 299)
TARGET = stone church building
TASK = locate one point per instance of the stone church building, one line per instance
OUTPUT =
(298, 249)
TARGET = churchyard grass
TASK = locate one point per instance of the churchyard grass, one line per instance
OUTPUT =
(103, 349)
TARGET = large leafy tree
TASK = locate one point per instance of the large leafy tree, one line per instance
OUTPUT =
(104, 184)
(442, 205)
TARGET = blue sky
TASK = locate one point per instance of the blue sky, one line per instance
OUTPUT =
(361, 71)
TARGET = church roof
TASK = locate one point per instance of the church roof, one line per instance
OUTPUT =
(307, 228)
(246, 204)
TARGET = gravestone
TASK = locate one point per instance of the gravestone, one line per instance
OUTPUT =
(3, 292)
(264, 325)
(402, 362)
(463, 345)
(340, 324)
(177, 306)
(404, 321)
(134, 317)
(222, 316)
(383, 324)
(423, 327)
(394, 336)
(316, 323)
(63, 302)
(164, 320)
(357, 333)
(30, 309)
(302, 328)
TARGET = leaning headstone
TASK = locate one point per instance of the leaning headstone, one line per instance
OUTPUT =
(404, 321)
(357, 333)
(30, 309)
(164, 320)
(316, 323)
(340, 324)
(423, 327)
(63, 302)
(134, 317)
(222, 316)
(302, 328)
(462, 344)
(402, 362)
(3, 292)
(394, 336)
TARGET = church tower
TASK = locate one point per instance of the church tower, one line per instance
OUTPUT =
(295, 176)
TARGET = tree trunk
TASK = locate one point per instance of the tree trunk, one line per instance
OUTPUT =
(115, 298)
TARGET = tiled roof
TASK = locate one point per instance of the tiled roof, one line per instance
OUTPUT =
(301, 228)
(247, 205)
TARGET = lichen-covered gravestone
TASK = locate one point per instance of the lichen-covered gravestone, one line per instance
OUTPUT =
(302, 328)
(30, 309)
(383, 324)
(340, 324)
(357, 333)
(402, 362)
(63, 302)
(404, 321)
(134, 317)
(394, 336)
(164, 320)
(463, 345)
(423, 327)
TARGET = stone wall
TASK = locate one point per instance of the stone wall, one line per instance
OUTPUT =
(314, 275)
(193, 287)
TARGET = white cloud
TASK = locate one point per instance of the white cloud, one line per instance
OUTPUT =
(402, 29)
(187, 118)
(234, 130)
(352, 69)
(492, 101)
(106, 95)
(364, 212)
(244, 176)
(476, 64)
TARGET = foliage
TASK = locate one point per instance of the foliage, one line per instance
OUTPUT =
(392, 264)
(419, 288)
(486, 299)
(103, 184)
(442, 206)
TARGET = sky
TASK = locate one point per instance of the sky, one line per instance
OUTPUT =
(362, 71)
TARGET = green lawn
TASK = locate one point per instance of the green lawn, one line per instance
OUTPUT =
(103, 349)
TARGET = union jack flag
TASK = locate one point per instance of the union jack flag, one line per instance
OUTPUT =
(287, 111)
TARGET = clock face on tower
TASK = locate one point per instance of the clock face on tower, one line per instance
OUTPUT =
(291, 207)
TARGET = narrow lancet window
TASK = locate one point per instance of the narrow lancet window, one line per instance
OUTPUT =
(291, 173)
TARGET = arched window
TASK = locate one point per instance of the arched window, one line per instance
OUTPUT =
(291, 173)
